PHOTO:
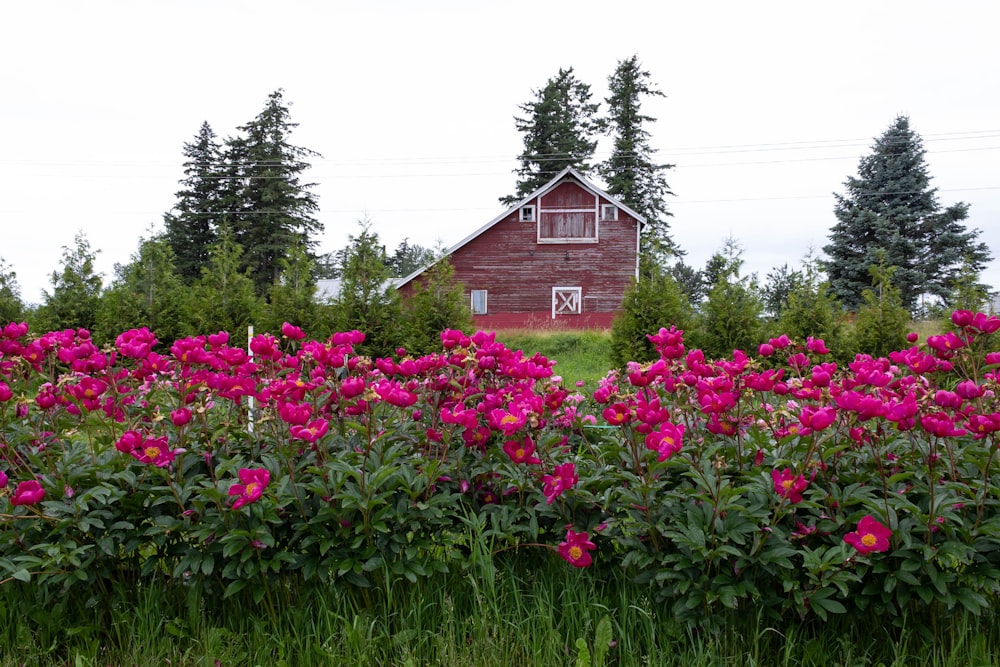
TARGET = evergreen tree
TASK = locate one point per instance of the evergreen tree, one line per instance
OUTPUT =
(967, 292)
(730, 317)
(891, 208)
(76, 290)
(192, 224)
(408, 257)
(881, 323)
(224, 295)
(11, 306)
(292, 297)
(146, 292)
(368, 301)
(810, 310)
(690, 280)
(630, 172)
(654, 301)
(438, 303)
(558, 129)
(271, 209)
(779, 285)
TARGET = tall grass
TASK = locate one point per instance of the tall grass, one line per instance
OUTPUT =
(514, 610)
(581, 356)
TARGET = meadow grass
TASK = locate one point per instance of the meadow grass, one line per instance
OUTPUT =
(505, 611)
(581, 356)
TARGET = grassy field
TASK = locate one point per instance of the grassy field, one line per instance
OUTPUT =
(585, 356)
(581, 356)
(496, 613)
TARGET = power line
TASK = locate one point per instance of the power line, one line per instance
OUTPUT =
(691, 151)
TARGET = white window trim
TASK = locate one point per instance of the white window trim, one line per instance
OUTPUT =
(527, 214)
(472, 301)
(561, 290)
(609, 213)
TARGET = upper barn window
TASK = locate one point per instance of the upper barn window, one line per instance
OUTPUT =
(567, 225)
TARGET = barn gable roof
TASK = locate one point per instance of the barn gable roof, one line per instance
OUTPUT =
(562, 175)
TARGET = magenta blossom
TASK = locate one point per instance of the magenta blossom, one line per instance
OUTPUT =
(312, 431)
(565, 477)
(576, 549)
(28, 493)
(521, 450)
(253, 482)
(870, 536)
(292, 332)
(788, 485)
(180, 417)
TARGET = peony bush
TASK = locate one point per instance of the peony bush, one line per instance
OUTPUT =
(780, 482)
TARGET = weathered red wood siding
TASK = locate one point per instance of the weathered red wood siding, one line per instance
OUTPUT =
(519, 273)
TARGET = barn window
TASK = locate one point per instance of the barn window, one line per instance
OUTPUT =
(478, 302)
(567, 226)
(566, 301)
(609, 212)
(527, 214)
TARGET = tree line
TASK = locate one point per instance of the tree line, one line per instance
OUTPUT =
(239, 245)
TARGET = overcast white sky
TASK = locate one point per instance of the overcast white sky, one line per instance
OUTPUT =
(769, 107)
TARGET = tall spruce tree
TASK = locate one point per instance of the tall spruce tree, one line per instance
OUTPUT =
(192, 225)
(630, 172)
(271, 208)
(890, 210)
(558, 131)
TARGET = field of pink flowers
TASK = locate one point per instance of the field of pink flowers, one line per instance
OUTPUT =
(775, 480)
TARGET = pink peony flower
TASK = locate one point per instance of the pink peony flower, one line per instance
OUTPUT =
(788, 485)
(870, 536)
(28, 493)
(521, 451)
(565, 477)
(576, 549)
(253, 482)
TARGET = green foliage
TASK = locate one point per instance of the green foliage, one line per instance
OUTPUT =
(811, 311)
(224, 297)
(653, 302)
(730, 319)
(712, 497)
(557, 130)
(11, 306)
(438, 303)
(882, 321)
(408, 257)
(890, 208)
(368, 301)
(76, 290)
(690, 280)
(146, 292)
(192, 225)
(630, 171)
(292, 297)
(967, 292)
(582, 356)
(778, 287)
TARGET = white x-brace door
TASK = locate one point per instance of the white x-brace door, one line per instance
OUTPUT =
(566, 301)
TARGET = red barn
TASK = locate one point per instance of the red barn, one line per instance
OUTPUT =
(561, 257)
